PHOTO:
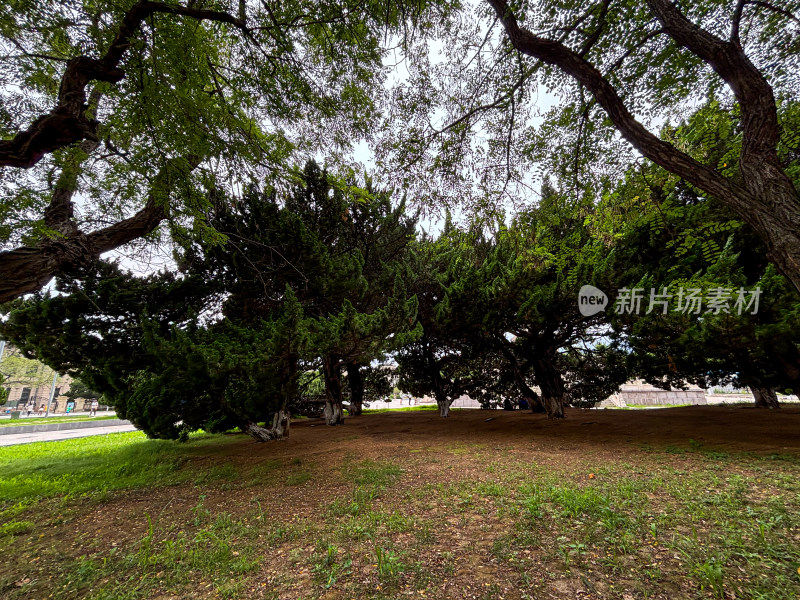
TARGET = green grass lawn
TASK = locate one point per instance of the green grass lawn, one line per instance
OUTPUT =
(421, 517)
(377, 411)
(93, 465)
(47, 420)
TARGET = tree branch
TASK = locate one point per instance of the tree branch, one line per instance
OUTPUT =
(754, 94)
(601, 23)
(651, 146)
(68, 121)
(737, 19)
(29, 268)
(774, 8)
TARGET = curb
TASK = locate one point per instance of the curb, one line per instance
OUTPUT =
(61, 426)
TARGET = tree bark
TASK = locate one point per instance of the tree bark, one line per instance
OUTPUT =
(443, 402)
(356, 383)
(529, 394)
(554, 394)
(281, 422)
(765, 397)
(278, 431)
(534, 403)
(334, 409)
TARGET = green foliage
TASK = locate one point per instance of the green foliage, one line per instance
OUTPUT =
(499, 312)
(680, 240)
(226, 342)
(247, 100)
(482, 121)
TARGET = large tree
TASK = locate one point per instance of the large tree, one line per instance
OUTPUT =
(681, 245)
(522, 303)
(448, 360)
(360, 303)
(677, 241)
(119, 114)
(613, 69)
(332, 246)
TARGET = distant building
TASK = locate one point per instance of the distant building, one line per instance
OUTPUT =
(31, 388)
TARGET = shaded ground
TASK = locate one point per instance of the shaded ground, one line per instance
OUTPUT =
(696, 502)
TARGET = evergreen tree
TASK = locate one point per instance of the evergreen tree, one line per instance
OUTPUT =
(79, 390)
(679, 241)
(224, 344)
(446, 362)
(522, 303)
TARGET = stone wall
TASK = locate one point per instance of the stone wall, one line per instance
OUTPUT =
(638, 393)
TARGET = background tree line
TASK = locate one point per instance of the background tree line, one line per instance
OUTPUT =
(144, 124)
(333, 275)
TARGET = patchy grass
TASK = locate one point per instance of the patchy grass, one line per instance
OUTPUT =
(479, 515)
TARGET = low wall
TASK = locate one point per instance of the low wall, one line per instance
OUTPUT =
(662, 397)
(61, 426)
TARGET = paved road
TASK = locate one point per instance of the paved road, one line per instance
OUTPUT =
(67, 434)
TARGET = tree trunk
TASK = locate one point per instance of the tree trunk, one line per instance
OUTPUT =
(281, 423)
(530, 396)
(444, 406)
(442, 398)
(258, 433)
(356, 382)
(334, 409)
(554, 394)
(280, 426)
(765, 397)
(278, 431)
(534, 403)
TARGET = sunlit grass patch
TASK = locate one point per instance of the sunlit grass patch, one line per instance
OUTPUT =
(48, 420)
(94, 464)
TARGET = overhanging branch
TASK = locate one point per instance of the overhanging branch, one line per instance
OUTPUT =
(27, 269)
(659, 151)
(68, 121)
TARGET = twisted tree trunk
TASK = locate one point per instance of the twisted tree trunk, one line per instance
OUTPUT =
(531, 397)
(356, 383)
(278, 431)
(554, 393)
(765, 397)
(334, 405)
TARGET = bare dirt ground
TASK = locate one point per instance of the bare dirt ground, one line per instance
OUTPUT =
(484, 504)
